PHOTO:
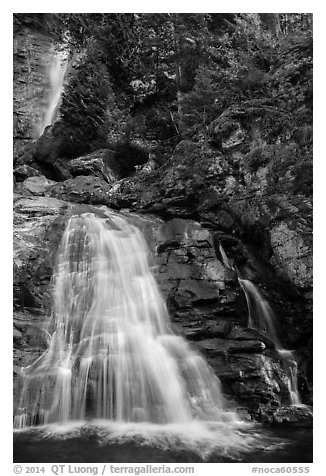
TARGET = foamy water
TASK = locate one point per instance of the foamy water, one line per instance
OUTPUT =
(198, 437)
(111, 353)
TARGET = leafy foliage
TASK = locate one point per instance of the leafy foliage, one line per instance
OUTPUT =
(85, 103)
(170, 76)
(258, 77)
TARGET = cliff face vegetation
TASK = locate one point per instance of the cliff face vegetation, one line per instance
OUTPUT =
(200, 127)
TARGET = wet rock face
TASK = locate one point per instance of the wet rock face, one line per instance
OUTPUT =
(263, 221)
(39, 222)
(198, 288)
(32, 54)
(30, 341)
(37, 226)
(204, 300)
(252, 375)
(207, 307)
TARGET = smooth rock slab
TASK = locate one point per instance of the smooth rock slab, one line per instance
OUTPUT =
(37, 185)
(243, 333)
(199, 330)
(218, 346)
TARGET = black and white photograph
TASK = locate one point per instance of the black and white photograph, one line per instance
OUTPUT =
(162, 241)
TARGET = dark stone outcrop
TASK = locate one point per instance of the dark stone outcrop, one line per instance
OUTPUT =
(48, 148)
(23, 172)
(95, 164)
(83, 189)
(122, 158)
(200, 183)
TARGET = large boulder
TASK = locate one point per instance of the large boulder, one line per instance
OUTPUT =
(35, 185)
(48, 148)
(95, 164)
(22, 172)
(83, 189)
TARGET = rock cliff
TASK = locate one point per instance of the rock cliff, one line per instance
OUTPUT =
(217, 209)
(205, 301)
(33, 52)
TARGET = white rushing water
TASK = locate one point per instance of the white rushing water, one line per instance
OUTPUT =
(260, 314)
(111, 355)
(262, 318)
(225, 259)
(288, 356)
(56, 72)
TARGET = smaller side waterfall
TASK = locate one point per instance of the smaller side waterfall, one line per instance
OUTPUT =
(260, 314)
(56, 72)
(262, 318)
(227, 263)
(293, 380)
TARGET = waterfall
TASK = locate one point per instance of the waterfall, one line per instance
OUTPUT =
(293, 379)
(260, 314)
(224, 257)
(262, 318)
(111, 353)
(56, 72)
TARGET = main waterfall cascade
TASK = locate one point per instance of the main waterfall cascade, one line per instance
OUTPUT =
(111, 354)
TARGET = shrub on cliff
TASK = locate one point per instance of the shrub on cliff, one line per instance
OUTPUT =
(83, 110)
(255, 75)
